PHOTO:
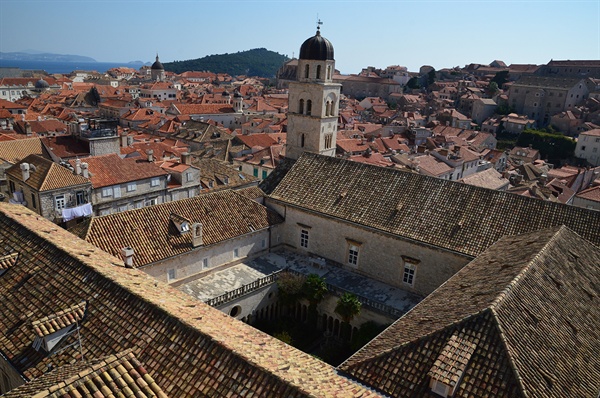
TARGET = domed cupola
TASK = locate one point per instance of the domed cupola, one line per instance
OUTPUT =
(317, 48)
(157, 65)
(41, 84)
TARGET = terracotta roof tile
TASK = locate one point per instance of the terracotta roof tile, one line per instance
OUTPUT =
(60, 320)
(448, 216)
(16, 150)
(107, 170)
(46, 175)
(116, 375)
(521, 307)
(224, 215)
(189, 348)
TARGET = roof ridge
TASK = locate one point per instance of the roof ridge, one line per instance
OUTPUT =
(424, 336)
(515, 282)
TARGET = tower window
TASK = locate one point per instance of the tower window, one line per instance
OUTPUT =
(318, 71)
(306, 71)
(328, 108)
(308, 107)
(329, 71)
(301, 107)
(302, 141)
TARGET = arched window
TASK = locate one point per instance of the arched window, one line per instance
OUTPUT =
(302, 141)
(329, 71)
(318, 71)
(328, 108)
(306, 71)
(308, 107)
(301, 107)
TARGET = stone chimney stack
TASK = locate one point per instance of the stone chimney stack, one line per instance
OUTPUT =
(77, 167)
(127, 253)
(27, 128)
(25, 171)
(84, 170)
(150, 155)
(197, 234)
(185, 158)
(124, 140)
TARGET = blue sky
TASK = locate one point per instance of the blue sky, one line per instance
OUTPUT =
(441, 33)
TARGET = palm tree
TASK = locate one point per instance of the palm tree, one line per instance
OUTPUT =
(348, 307)
(314, 290)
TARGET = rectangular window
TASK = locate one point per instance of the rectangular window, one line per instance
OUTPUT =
(80, 197)
(255, 173)
(104, 212)
(106, 192)
(188, 177)
(117, 192)
(353, 255)
(205, 262)
(154, 182)
(171, 274)
(151, 202)
(12, 186)
(122, 208)
(60, 202)
(236, 252)
(409, 274)
(132, 186)
(33, 201)
(304, 238)
(264, 174)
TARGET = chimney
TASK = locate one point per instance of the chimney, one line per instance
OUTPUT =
(84, 170)
(27, 128)
(124, 139)
(25, 171)
(78, 167)
(129, 140)
(150, 155)
(127, 253)
(185, 158)
(197, 234)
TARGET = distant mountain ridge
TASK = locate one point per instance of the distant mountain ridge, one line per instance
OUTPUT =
(256, 62)
(47, 57)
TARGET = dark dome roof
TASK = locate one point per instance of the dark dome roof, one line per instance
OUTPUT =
(237, 94)
(41, 84)
(225, 93)
(317, 48)
(157, 64)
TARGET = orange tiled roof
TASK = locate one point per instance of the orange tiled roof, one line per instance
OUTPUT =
(224, 215)
(189, 348)
(46, 176)
(107, 170)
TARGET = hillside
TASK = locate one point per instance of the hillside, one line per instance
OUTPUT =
(257, 62)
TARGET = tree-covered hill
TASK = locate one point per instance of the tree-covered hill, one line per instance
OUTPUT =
(257, 62)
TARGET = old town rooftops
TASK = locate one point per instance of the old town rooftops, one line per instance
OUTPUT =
(446, 214)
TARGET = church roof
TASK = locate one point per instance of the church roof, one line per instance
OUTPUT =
(521, 320)
(157, 65)
(317, 48)
(442, 213)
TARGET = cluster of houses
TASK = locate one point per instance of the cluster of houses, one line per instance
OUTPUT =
(185, 197)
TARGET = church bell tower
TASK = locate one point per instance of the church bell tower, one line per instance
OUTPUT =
(313, 101)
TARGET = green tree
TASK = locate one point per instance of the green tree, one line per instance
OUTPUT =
(431, 77)
(314, 290)
(290, 287)
(347, 307)
(492, 89)
(413, 83)
(500, 78)
(552, 146)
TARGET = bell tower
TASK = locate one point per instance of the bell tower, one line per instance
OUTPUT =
(313, 100)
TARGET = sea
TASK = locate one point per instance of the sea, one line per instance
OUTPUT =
(66, 67)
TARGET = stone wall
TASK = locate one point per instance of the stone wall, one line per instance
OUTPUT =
(380, 256)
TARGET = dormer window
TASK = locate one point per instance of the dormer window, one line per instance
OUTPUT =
(8, 261)
(449, 367)
(53, 329)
